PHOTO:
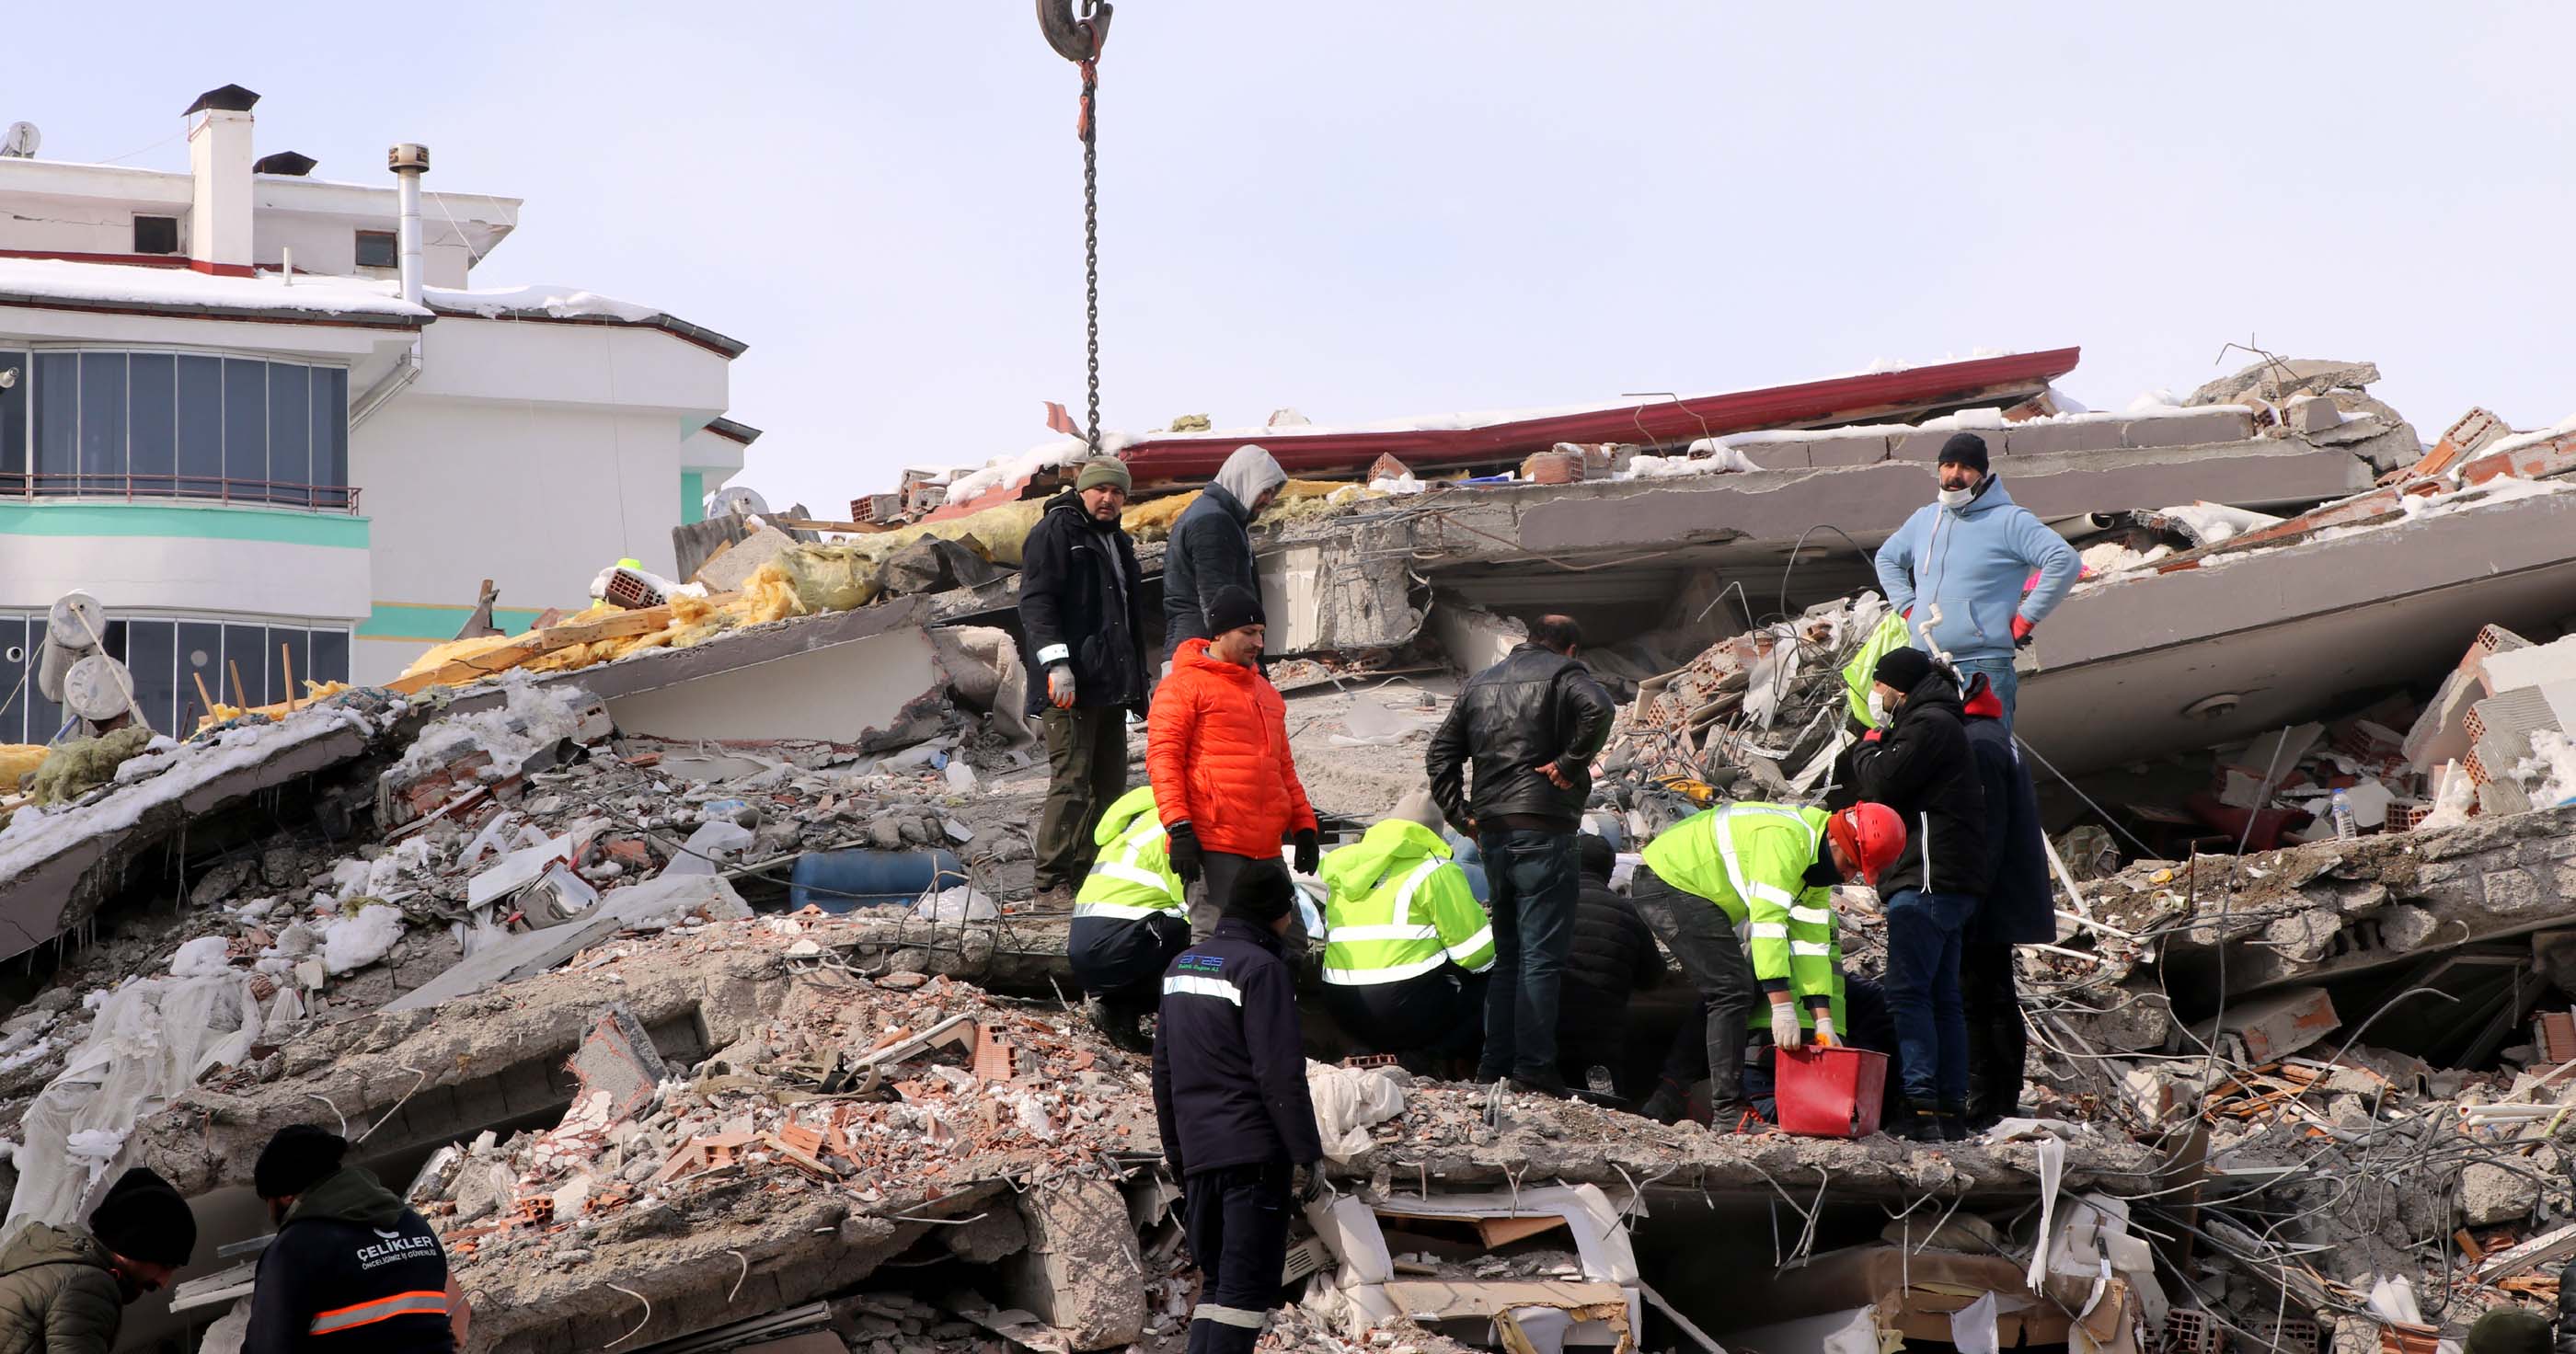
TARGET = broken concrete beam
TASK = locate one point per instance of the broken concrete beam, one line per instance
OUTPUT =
(2312, 414)
(2276, 380)
(730, 569)
(1850, 446)
(2200, 428)
(2274, 1026)
(1081, 1272)
(654, 903)
(617, 1058)
(883, 690)
(2089, 434)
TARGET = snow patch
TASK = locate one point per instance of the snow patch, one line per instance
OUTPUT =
(135, 285)
(558, 302)
(204, 957)
(352, 943)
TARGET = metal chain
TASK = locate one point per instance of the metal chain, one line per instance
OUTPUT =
(1091, 243)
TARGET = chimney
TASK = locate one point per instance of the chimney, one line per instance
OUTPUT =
(409, 161)
(219, 156)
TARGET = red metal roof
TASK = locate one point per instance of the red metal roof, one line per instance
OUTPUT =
(1839, 399)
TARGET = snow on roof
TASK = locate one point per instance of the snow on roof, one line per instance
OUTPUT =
(964, 486)
(35, 281)
(557, 302)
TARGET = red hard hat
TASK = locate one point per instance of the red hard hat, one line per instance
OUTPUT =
(1871, 834)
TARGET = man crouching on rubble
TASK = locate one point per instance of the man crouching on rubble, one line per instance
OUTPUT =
(351, 1267)
(1230, 1099)
(64, 1291)
(1129, 922)
(1742, 894)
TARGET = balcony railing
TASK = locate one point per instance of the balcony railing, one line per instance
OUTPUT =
(331, 498)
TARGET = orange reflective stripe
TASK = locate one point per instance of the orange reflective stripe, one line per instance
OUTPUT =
(424, 1302)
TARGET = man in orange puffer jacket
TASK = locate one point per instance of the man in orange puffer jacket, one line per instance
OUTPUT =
(1216, 748)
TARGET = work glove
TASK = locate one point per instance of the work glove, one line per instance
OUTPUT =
(1309, 851)
(1785, 1031)
(2022, 626)
(1826, 1035)
(1310, 1186)
(1872, 736)
(1182, 845)
(1060, 686)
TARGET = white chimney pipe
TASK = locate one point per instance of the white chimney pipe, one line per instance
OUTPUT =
(409, 161)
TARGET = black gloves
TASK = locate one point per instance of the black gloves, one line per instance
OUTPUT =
(1309, 1184)
(1309, 852)
(1183, 847)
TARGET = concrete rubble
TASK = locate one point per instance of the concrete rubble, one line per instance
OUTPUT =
(680, 961)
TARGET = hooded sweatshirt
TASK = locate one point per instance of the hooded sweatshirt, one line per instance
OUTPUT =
(1211, 545)
(1399, 908)
(57, 1294)
(1960, 571)
(352, 1269)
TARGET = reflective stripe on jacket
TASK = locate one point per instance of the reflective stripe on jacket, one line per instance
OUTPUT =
(1400, 908)
(1131, 878)
(1752, 861)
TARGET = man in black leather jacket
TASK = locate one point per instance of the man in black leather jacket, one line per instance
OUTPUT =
(1530, 725)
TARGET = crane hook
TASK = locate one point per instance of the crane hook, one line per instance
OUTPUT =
(1074, 39)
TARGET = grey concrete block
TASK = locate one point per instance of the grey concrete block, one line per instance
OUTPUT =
(1924, 444)
(2513, 891)
(2032, 439)
(1852, 449)
(2198, 428)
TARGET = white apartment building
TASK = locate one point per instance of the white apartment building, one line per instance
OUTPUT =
(269, 421)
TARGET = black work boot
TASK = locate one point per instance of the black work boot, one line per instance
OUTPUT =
(1546, 1083)
(1918, 1125)
(1667, 1104)
(1954, 1123)
(1123, 1029)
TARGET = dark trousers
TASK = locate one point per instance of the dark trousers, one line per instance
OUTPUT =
(1207, 897)
(1121, 960)
(1086, 772)
(1533, 879)
(1440, 1014)
(1703, 939)
(1998, 1043)
(1236, 1218)
(1923, 931)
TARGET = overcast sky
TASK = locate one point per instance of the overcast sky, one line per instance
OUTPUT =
(1368, 210)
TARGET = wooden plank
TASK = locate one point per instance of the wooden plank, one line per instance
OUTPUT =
(816, 524)
(2546, 1248)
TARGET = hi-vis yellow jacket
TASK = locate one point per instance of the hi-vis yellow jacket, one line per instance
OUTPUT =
(1400, 908)
(1132, 877)
(1752, 861)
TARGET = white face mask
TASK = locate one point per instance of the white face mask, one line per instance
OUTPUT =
(1877, 708)
(1955, 498)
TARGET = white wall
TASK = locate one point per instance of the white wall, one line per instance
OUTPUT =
(325, 585)
(552, 363)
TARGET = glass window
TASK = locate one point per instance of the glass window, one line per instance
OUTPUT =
(156, 235)
(13, 422)
(330, 655)
(150, 654)
(16, 661)
(102, 423)
(57, 399)
(245, 429)
(201, 660)
(290, 432)
(150, 422)
(243, 645)
(378, 249)
(201, 426)
(331, 435)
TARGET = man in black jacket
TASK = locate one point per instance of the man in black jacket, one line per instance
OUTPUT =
(351, 1268)
(1230, 1100)
(1531, 725)
(2017, 909)
(1211, 546)
(1611, 956)
(64, 1290)
(1917, 762)
(1078, 612)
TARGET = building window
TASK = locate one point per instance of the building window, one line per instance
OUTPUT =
(168, 658)
(165, 425)
(376, 249)
(156, 235)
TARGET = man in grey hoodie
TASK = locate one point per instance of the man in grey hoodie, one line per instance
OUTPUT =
(1211, 546)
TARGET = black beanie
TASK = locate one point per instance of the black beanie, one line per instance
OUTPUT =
(1966, 449)
(298, 1158)
(143, 1218)
(1233, 608)
(1262, 894)
(1596, 855)
(2509, 1330)
(1903, 667)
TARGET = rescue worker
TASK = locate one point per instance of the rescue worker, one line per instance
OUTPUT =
(1130, 920)
(1230, 1100)
(1211, 547)
(1613, 956)
(2017, 909)
(1917, 762)
(1406, 944)
(1955, 570)
(1079, 612)
(1742, 894)
(64, 1290)
(351, 1268)
(1216, 748)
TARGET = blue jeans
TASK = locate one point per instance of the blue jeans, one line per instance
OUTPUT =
(1923, 931)
(1534, 881)
(1999, 672)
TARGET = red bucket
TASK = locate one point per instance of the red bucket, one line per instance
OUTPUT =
(1830, 1092)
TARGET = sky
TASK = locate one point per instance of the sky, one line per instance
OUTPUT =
(1367, 209)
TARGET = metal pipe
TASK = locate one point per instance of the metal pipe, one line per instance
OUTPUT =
(409, 161)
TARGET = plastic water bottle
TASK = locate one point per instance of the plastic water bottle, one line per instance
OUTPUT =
(2345, 828)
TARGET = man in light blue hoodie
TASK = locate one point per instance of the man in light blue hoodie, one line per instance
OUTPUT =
(1956, 568)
